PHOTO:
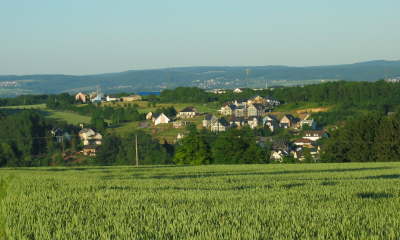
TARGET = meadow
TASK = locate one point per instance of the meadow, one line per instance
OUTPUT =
(308, 201)
(67, 116)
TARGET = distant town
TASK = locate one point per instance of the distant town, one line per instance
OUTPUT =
(255, 113)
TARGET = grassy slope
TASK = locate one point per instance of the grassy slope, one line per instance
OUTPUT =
(310, 201)
(69, 117)
(161, 132)
(144, 108)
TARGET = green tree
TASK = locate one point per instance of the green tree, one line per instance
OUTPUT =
(193, 150)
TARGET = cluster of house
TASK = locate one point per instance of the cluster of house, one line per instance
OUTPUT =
(97, 97)
(216, 124)
(161, 118)
(223, 91)
(393, 80)
(8, 84)
(297, 149)
(91, 140)
(238, 114)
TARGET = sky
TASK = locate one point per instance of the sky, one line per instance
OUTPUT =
(99, 36)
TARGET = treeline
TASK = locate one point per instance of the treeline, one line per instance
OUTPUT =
(26, 140)
(370, 138)
(363, 94)
(116, 114)
(186, 94)
(366, 94)
(235, 146)
(117, 150)
(350, 93)
(197, 148)
(24, 100)
(198, 95)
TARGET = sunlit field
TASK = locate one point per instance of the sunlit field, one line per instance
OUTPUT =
(311, 201)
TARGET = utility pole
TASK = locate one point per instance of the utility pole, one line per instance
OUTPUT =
(137, 154)
(62, 144)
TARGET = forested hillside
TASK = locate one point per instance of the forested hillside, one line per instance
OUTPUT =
(203, 77)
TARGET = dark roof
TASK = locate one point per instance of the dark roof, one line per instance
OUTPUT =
(239, 108)
(252, 118)
(223, 122)
(290, 116)
(280, 144)
(189, 109)
(208, 117)
(231, 106)
(303, 140)
(57, 131)
(236, 119)
(91, 146)
(273, 117)
(258, 106)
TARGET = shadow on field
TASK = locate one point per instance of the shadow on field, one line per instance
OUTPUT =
(227, 174)
(389, 176)
(132, 188)
(329, 183)
(293, 185)
(50, 169)
(374, 195)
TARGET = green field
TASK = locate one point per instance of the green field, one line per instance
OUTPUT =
(144, 108)
(68, 116)
(310, 201)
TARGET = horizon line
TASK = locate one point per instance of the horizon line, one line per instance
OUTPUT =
(200, 66)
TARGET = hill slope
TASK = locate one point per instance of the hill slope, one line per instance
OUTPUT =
(205, 77)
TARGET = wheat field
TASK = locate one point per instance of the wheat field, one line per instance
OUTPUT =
(310, 201)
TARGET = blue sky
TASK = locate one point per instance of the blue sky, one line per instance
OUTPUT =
(97, 36)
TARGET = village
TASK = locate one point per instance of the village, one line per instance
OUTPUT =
(254, 113)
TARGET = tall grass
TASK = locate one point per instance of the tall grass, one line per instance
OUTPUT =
(4, 182)
(310, 201)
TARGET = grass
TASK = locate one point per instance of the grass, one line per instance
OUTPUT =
(3, 193)
(310, 201)
(297, 106)
(161, 132)
(69, 117)
(33, 106)
(144, 108)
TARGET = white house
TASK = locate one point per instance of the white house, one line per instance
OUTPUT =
(81, 97)
(188, 112)
(303, 142)
(180, 136)
(111, 99)
(253, 122)
(238, 90)
(315, 135)
(271, 122)
(208, 120)
(219, 126)
(161, 119)
(149, 116)
(90, 137)
(278, 155)
(227, 110)
(308, 122)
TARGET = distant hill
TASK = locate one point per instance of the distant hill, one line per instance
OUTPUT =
(204, 77)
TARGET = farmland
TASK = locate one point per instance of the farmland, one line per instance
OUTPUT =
(67, 116)
(308, 201)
